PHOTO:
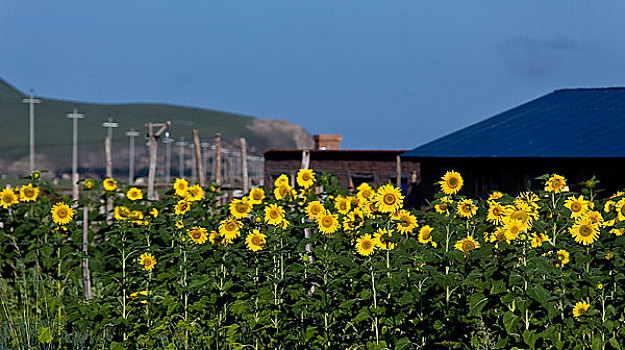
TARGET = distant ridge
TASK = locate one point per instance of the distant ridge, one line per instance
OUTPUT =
(53, 131)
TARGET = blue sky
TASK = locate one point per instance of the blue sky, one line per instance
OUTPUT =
(385, 74)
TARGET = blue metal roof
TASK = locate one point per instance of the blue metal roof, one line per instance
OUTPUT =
(564, 123)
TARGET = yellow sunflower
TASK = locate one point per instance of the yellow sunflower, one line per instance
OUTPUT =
(495, 212)
(443, 206)
(284, 191)
(198, 234)
(495, 195)
(121, 213)
(182, 207)
(8, 198)
(194, 193)
(365, 245)
(214, 237)
(538, 239)
(256, 196)
(620, 209)
(240, 208)
(274, 214)
(62, 214)
(327, 222)
(406, 222)
(281, 180)
(581, 307)
(466, 208)
(563, 258)
(577, 206)
(365, 192)
(528, 198)
(452, 183)
(522, 212)
(500, 235)
(353, 220)
(134, 194)
(584, 231)
(389, 199)
(314, 209)
(181, 186)
(179, 224)
(513, 228)
(555, 184)
(467, 244)
(342, 204)
(89, 184)
(425, 234)
(305, 178)
(229, 229)
(148, 261)
(381, 239)
(153, 212)
(109, 184)
(255, 241)
(28, 193)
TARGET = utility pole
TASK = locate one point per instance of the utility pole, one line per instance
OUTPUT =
(132, 133)
(181, 144)
(108, 145)
(167, 141)
(75, 116)
(152, 137)
(32, 101)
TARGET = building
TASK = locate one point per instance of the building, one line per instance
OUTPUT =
(576, 133)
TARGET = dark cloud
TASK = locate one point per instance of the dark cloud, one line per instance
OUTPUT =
(537, 58)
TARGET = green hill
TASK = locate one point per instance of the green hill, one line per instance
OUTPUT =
(54, 131)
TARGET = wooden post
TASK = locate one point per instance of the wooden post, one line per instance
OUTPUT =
(305, 159)
(86, 275)
(198, 156)
(109, 174)
(244, 174)
(152, 136)
(398, 181)
(307, 231)
(218, 159)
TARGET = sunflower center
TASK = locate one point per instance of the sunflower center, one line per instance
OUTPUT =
(29, 192)
(467, 246)
(62, 212)
(274, 214)
(343, 206)
(453, 182)
(7, 198)
(466, 208)
(306, 177)
(256, 196)
(575, 207)
(585, 230)
(366, 245)
(514, 230)
(425, 235)
(326, 222)
(231, 226)
(556, 184)
(240, 208)
(315, 209)
(561, 257)
(519, 215)
(366, 193)
(256, 240)
(389, 199)
(623, 210)
(443, 206)
(496, 211)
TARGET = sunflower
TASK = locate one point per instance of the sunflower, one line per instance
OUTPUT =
(581, 307)
(513, 228)
(214, 237)
(28, 193)
(198, 234)
(305, 178)
(466, 245)
(452, 183)
(522, 212)
(353, 220)
(240, 208)
(194, 193)
(563, 258)
(389, 199)
(255, 241)
(443, 206)
(137, 217)
(555, 184)
(365, 192)
(281, 180)
(148, 261)
(327, 222)
(584, 231)
(314, 209)
(538, 239)
(381, 236)
(274, 214)
(495, 212)
(229, 229)
(153, 212)
(283, 191)
(121, 213)
(342, 204)
(62, 214)
(365, 245)
(495, 195)
(425, 234)
(466, 208)
(8, 198)
(577, 206)
(134, 194)
(182, 207)
(256, 196)
(179, 224)
(617, 231)
(89, 184)
(620, 209)
(500, 235)
(406, 222)
(181, 186)
(370, 209)
(109, 184)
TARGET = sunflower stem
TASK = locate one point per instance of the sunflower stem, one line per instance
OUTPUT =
(375, 303)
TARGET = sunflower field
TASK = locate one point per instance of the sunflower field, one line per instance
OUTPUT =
(310, 265)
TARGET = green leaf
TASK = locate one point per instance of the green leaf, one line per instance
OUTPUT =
(403, 343)
(44, 334)
(530, 338)
(362, 315)
(614, 343)
(510, 321)
(476, 304)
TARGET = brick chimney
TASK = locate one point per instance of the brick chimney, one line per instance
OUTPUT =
(325, 141)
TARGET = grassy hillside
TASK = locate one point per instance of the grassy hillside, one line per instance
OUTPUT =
(54, 130)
